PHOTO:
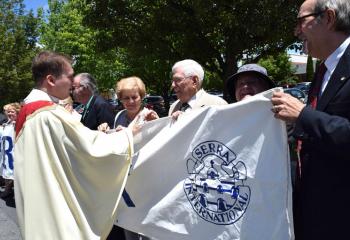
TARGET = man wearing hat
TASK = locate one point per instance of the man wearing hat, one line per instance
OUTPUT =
(249, 80)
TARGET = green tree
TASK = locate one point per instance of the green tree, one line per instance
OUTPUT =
(215, 33)
(279, 69)
(62, 31)
(18, 37)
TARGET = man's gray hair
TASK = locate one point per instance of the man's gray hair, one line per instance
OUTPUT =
(88, 81)
(190, 68)
(342, 11)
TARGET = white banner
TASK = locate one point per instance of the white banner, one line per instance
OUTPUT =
(6, 152)
(216, 173)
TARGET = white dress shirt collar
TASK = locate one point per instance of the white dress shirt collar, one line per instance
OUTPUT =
(332, 62)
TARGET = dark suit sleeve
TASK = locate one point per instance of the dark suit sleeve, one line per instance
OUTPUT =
(105, 113)
(325, 130)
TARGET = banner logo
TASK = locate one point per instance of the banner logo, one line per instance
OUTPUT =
(215, 185)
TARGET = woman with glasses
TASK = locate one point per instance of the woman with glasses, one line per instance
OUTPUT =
(130, 92)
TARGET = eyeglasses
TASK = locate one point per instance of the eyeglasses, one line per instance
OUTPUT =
(76, 87)
(134, 98)
(179, 79)
(301, 19)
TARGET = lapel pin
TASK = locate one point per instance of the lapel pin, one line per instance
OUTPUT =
(343, 78)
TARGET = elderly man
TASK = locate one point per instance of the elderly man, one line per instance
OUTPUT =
(96, 109)
(187, 79)
(323, 126)
(68, 179)
(249, 80)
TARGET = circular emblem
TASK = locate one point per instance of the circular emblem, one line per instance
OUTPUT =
(215, 185)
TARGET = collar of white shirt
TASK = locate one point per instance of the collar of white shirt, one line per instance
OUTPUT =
(332, 62)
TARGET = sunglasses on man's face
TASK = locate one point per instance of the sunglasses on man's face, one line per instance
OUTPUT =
(301, 19)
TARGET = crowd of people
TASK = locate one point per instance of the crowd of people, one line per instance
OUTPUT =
(50, 137)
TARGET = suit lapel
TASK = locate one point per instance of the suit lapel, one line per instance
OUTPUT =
(199, 99)
(87, 109)
(200, 95)
(177, 106)
(339, 77)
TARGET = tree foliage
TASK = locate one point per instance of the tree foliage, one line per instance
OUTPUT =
(279, 68)
(117, 38)
(62, 31)
(18, 37)
(215, 33)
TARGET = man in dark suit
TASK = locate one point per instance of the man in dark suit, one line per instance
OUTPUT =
(96, 109)
(322, 192)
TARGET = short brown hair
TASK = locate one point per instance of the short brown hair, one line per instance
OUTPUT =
(130, 83)
(46, 63)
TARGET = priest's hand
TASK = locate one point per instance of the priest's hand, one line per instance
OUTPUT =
(103, 127)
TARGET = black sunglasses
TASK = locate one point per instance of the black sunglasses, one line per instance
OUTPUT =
(316, 14)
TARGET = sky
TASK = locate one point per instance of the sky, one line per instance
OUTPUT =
(35, 4)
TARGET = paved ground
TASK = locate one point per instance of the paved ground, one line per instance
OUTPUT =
(9, 226)
(8, 220)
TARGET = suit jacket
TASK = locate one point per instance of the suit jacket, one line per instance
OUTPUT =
(3, 118)
(323, 192)
(99, 111)
(202, 99)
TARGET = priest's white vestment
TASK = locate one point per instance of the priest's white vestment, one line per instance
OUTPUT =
(68, 179)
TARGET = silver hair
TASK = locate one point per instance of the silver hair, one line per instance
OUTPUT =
(342, 11)
(190, 68)
(88, 81)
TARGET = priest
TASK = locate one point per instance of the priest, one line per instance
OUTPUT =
(68, 178)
